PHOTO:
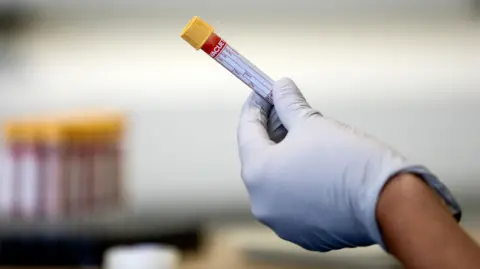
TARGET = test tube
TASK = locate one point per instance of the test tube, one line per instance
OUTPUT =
(53, 171)
(201, 35)
(30, 172)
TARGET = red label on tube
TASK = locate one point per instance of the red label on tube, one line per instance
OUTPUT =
(214, 45)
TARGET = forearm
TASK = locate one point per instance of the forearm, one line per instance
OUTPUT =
(419, 231)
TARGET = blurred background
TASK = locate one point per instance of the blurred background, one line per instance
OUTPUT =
(405, 71)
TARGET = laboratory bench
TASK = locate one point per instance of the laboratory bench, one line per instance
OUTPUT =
(238, 248)
(216, 251)
(254, 247)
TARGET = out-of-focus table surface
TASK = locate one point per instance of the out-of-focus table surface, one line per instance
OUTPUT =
(256, 247)
(223, 251)
(219, 251)
(226, 248)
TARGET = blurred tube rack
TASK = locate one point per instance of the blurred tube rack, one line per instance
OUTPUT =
(60, 167)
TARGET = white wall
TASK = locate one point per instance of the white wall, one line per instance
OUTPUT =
(231, 8)
(415, 86)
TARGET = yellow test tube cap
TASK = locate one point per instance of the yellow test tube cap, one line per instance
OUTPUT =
(51, 131)
(20, 131)
(197, 32)
(11, 130)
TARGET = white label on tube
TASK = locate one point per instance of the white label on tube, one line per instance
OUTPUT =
(246, 72)
(30, 186)
(7, 183)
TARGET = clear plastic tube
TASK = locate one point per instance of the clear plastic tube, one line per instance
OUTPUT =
(201, 35)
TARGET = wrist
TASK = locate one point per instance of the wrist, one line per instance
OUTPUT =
(405, 204)
(403, 192)
(418, 228)
(405, 189)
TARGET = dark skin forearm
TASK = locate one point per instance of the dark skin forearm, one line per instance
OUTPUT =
(419, 231)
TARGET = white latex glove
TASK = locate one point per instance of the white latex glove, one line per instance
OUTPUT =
(316, 185)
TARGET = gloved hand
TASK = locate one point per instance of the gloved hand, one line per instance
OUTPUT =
(317, 184)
